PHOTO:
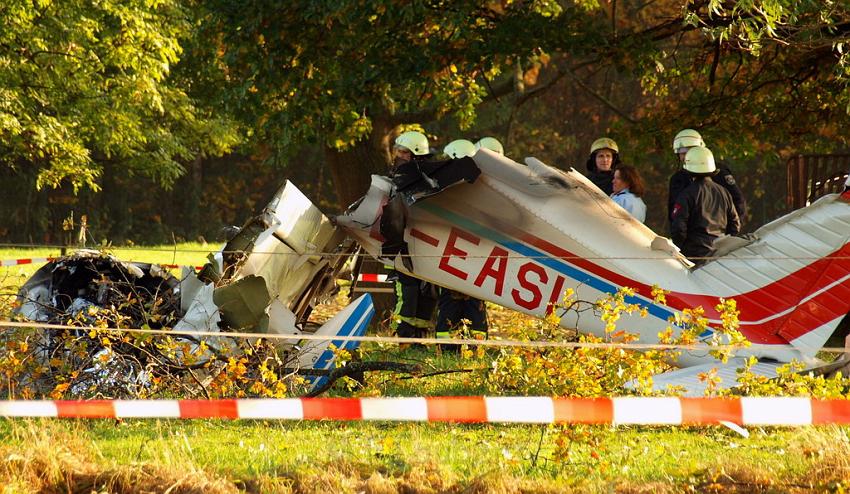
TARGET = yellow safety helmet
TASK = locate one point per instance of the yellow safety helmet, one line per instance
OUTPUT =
(459, 148)
(490, 143)
(700, 160)
(414, 141)
(604, 143)
(687, 138)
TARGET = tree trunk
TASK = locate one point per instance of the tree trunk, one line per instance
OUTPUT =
(351, 169)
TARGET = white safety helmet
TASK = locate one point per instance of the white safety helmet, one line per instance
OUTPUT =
(460, 148)
(490, 143)
(414, 141)
(700, 160)
(687, 138)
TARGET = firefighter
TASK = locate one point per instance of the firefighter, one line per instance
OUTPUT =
(415, 299)
(456, 311)
(490, 143)
(685, 140)
(460, 148)
(604, 159)
(410, 146)
(704, 210)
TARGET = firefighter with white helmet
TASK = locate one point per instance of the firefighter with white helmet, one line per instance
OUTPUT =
(704, 210)
(490, 143)
(459, 148)
(688, 139)
(700, 161)
(604, 159)
(415, 300)
(410, 145)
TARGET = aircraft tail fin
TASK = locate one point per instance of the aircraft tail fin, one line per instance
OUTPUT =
(792, 279)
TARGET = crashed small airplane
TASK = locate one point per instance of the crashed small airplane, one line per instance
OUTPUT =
(519, 236)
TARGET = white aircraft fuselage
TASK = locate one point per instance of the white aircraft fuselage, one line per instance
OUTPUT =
(519, 236)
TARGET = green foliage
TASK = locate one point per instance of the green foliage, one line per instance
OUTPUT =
(582, 371)
(791, 382)
(83, 82)
(324, 71)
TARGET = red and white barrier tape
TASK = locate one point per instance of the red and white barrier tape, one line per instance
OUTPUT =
(19, 262)
(178, 266)
(371, 277)
(785, 411)
(39, 260)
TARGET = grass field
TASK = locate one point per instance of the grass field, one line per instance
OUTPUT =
(387, 457)
(215, 456)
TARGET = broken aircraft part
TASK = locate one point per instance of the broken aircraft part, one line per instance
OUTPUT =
(266, 279)
(519, 236)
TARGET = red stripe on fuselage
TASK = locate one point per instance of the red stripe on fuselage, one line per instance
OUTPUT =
(428, 239)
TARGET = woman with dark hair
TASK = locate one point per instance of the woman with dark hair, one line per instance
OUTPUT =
(604, 159)
(628, 189)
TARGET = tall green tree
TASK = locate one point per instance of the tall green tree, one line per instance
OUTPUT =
(84, 83)
(345, 73)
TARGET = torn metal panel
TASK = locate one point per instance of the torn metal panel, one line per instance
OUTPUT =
(243, 303)
(202, 314)
(292, 247)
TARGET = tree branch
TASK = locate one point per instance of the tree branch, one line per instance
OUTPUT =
(602, 99)
(355, 368)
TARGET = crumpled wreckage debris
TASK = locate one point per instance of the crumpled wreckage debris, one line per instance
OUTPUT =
(68, 288)
(266, 279)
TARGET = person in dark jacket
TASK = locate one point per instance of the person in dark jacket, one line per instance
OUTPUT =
(457, 311)
(604, 159)
(704, 210)
(415, 300)
(685, 140)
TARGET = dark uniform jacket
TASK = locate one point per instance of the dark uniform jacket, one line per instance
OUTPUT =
(703, 212)
(681, 179)
(603, 180)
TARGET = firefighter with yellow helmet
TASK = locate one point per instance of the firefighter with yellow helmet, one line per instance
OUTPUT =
(409, 146)
(415, 299)
(604, 159)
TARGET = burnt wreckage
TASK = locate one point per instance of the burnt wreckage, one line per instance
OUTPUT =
(266, 279)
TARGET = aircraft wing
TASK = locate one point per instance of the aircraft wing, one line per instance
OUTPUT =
(688, 378)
